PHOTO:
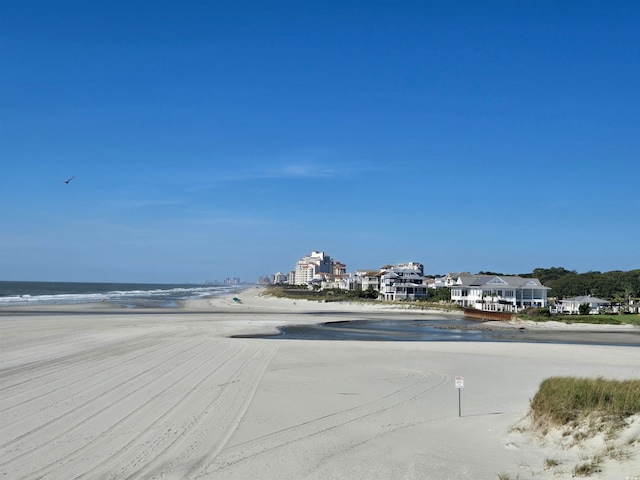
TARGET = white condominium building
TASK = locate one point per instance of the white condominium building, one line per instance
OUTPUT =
(311, 267)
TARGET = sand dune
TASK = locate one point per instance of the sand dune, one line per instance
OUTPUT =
(93, 392)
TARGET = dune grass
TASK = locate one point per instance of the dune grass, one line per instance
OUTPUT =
(337, 295)
(560, 400)
(602, 319)
(577, 409)
(542, 315)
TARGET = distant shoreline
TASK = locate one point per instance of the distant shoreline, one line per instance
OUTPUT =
(252, 302)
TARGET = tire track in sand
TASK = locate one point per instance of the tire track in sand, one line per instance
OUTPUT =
(87, 371)
(72, 457)
(104, 396)
(325, 424)
(48, 367)
(237, 417)
(118, 465)
(214, 422)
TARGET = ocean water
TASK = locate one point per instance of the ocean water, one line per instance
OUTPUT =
(132, 295)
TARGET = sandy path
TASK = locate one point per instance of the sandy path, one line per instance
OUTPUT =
(92, 393)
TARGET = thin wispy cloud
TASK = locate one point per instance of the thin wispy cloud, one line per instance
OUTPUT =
(275, 171)
(204, 218)
(297, 171)
(156, 203)
(306, 171)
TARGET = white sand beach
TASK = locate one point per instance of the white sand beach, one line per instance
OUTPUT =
(99, 392)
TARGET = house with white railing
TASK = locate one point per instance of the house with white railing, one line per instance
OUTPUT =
(498, 293)
(404, 281)
(572, 305)
(402, 285)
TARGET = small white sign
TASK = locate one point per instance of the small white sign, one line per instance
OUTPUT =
(459, 382)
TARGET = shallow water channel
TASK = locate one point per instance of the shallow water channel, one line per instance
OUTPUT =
(446, 330)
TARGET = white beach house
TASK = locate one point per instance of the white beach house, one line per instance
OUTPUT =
(572, 305)
(497, 293)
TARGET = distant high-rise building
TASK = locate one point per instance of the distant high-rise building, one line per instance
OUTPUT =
(312, 266)
(280, 278)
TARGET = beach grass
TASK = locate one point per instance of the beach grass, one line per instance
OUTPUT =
(561, 400)
(582, 408)
(588, 467)
(602, 319)
(301, 293)
(337, 295)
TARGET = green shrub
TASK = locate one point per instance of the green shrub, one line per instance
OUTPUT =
(584, 309)
(536, 312)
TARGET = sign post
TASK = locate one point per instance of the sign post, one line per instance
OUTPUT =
(459, 387)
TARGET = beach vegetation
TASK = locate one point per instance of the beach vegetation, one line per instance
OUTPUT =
(541, 315)
(584, 309)
(441, 301)
(442, 294)
(579, 409)
(561, 400)
(589, 467)
(550, 463)
(370, 293)
(616, 453)
(315, 294)
(538, 313)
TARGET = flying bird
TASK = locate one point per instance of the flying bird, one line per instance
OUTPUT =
(68, 180)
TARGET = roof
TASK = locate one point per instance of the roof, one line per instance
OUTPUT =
(458, 274)
(585, 299)
(372, 273)
(500, 281)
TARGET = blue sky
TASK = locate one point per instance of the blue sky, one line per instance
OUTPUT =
(231, 138)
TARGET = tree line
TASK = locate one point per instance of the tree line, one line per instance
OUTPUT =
(615, 286)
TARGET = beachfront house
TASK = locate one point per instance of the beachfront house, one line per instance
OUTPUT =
(497, 293)
(436, 283)
(370, 279)
(349, 282)
(452, 278)
(397, 284)
(334, 281)
(571, 305)
(404, 281)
